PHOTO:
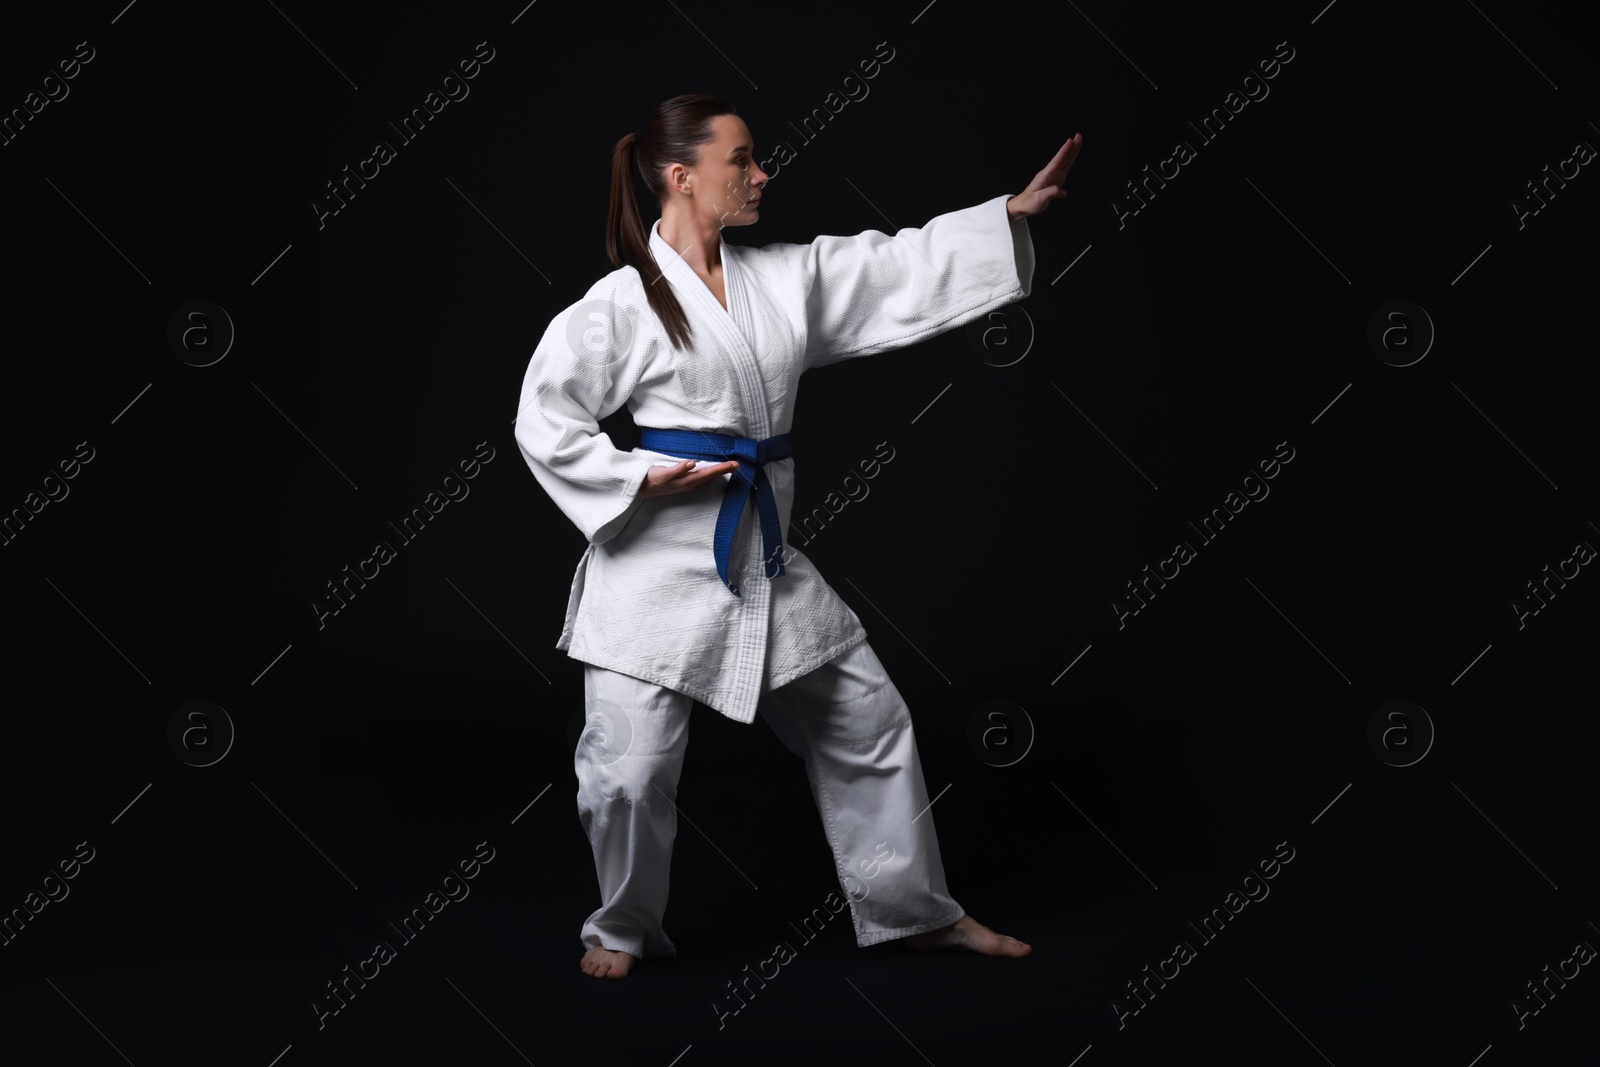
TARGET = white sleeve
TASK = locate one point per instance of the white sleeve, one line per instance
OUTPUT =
(872, 292)
(584, 368)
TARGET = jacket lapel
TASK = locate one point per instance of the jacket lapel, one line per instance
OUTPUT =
(725, 323)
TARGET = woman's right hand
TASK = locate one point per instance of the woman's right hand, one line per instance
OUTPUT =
(682, 477)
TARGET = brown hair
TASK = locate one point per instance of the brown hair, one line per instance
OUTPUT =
(673, 133)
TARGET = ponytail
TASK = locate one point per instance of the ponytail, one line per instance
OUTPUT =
(672, 134)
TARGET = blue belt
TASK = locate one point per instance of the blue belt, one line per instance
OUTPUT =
(752, 456)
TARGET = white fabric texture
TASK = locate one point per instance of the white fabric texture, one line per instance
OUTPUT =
(645, 598)
(849, 724)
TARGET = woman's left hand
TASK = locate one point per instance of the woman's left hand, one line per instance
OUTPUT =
(1047, 184)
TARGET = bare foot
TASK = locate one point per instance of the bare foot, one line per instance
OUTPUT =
(968, 933)
(604, 963)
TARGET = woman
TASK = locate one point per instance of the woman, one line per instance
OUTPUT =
(686, 591)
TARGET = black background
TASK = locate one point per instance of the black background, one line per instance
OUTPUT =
(1228, 716)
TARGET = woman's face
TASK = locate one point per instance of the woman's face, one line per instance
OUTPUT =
(727, 182)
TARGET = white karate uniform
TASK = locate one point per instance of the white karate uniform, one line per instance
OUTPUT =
(648, 613)
(646, 599)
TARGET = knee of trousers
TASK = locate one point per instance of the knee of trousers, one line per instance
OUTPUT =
(629, 780)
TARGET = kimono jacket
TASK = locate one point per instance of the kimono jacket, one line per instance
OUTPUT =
(646, 599)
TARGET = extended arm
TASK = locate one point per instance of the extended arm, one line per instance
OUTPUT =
(872, 293)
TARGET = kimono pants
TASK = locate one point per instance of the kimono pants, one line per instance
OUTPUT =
(849, 724)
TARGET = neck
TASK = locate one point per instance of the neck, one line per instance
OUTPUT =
(698, 240)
